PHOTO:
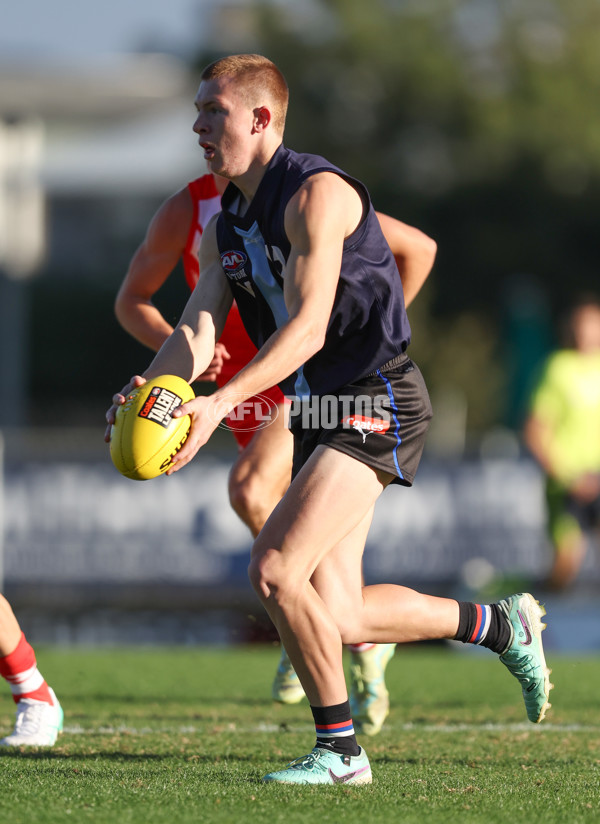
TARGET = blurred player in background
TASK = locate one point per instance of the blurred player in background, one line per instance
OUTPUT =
(563, 434)
(39, 715)
(262, 471)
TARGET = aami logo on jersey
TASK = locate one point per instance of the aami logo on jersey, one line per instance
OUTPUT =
(233, 261)
(365, 425)
(159, 406)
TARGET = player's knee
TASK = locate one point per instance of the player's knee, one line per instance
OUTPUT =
(349, 629)
(247, 500)
(271, 578)
(255, 575)
(264, 573)
(238, 493)
(351, 635)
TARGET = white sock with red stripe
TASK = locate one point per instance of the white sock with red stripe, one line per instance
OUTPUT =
(20, 670)
(360, 647)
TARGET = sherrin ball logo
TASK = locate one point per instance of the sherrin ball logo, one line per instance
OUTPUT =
(145, 436)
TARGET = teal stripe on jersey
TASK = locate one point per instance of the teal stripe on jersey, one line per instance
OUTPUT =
(270, 289)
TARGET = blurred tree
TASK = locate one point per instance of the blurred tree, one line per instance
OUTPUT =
(477, 120)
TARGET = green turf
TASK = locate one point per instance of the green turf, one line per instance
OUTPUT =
(184, 735)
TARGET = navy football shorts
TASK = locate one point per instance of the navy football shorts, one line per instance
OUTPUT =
(380, 420)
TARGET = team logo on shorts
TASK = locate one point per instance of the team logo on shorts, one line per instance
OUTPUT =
(366, 426)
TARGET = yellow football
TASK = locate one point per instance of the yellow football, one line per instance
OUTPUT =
(145, 437)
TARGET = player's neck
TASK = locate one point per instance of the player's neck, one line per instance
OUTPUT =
(249, 182)
(221, 183)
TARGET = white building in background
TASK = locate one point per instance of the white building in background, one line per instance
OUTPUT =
(119, 128)
(93, 114)
(89, 152)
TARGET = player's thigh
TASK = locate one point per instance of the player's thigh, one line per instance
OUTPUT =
(268, 456)
(328, 499)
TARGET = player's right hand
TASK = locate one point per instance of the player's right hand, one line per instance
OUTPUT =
(216, 365)
(205, 413)
(118, 400)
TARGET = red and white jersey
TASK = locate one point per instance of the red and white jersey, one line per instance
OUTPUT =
(206, 201)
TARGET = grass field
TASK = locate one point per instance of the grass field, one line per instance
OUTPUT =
(184, 735)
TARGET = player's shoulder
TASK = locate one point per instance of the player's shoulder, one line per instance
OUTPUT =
(562, 360)
(571, 363)
(178, 204)
(170, 225)
(324, 186)
(322, 203)
(175, 213)
(559, 367)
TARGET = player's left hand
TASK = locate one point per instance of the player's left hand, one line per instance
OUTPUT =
(215, 367)
(206, 412)
(118, 399)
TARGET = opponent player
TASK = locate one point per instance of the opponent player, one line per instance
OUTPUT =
(563, 434)
(261, 473)
(39, 715)
(319, 294)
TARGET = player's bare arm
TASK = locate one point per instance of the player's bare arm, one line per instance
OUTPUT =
(414, 252)
(537, 434)
(189, 350)
(318, 218)
(150, 267)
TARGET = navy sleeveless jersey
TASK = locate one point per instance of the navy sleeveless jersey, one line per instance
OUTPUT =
(368, 324)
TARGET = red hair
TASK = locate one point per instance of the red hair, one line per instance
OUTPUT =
(258, 80)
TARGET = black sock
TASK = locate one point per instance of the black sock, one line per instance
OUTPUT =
(483, 624)
(334, 728)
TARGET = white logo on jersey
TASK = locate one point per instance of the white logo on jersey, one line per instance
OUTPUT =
(247, 285)
(233, 263)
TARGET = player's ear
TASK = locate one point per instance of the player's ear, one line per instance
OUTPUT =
(262, 118)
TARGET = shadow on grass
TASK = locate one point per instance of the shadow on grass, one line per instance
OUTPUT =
(57, 756)
(189, 699)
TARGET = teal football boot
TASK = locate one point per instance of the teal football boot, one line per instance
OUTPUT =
(286, 688)
(321, 766)
(369, 698)
(524, 656)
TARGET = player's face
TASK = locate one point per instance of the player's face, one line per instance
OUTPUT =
(586, 328)
(224, 125)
